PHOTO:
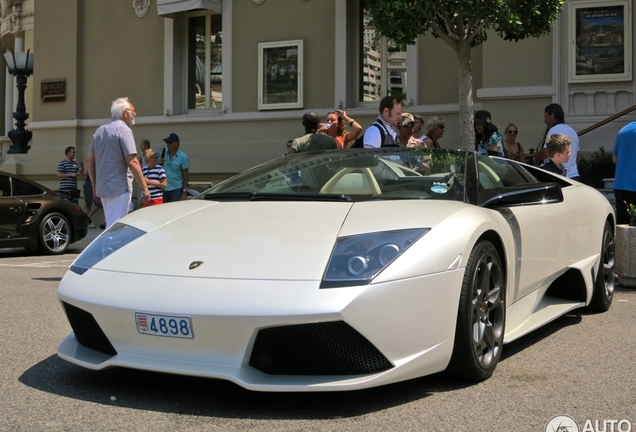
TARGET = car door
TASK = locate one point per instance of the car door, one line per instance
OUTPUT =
(540, 230)
(11, 209)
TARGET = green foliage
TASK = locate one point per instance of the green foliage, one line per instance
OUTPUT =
(631, 211)
(462, 20)
(600, 161)
(441, 159)
(448, 157)
(397, 93)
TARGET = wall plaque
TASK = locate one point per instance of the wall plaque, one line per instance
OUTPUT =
(53, 90)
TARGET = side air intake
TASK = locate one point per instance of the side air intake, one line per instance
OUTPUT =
(87, 331)
(329, 348)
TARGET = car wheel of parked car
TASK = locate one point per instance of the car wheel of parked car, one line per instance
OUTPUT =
(604, 283)
(481, 318)
(54, 234)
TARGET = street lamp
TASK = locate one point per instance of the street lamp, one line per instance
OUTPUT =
(20, 65)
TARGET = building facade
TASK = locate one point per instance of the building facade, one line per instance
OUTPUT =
(233, 78)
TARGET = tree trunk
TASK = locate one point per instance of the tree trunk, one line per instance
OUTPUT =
(466, 128)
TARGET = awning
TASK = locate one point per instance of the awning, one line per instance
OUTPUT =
(167, 7)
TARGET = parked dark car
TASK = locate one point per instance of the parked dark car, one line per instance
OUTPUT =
(37, 218)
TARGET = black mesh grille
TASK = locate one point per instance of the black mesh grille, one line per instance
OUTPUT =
(87, 331)
(330, 348)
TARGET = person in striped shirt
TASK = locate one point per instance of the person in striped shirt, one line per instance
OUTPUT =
(155, 177)
(67, 170)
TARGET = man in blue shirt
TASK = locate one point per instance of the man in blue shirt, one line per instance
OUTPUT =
(176, 164)
(625, 177)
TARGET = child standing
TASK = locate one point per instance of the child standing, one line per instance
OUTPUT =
(155, 177)
(559, 150)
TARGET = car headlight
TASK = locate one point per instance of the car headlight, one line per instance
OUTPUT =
(357, 259)
(114, 238)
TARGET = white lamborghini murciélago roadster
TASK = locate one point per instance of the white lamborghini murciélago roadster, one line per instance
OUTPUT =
(341, 270)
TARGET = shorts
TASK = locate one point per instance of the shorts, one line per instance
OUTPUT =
(154, 201)
(88, 196)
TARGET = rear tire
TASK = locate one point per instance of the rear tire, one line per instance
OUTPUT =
(482, 316)
(604, 283)
(54, 234)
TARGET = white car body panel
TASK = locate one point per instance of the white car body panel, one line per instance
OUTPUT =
(240, 249)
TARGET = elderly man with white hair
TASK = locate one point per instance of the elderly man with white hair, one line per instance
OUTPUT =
(112, 163)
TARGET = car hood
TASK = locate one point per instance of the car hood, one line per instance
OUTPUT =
(258, 240)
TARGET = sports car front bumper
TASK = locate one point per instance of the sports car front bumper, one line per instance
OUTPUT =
(255, 333)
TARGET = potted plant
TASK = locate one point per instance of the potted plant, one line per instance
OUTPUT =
(597, 167)
(626, 250)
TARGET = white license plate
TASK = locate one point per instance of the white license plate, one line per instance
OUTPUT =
(164, 325)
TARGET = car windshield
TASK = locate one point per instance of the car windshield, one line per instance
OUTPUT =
(351, 175)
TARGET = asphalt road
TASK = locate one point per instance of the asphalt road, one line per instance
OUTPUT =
(582, 365)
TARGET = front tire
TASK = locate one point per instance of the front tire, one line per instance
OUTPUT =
(604, 283)
(481, 317)
(54, 234)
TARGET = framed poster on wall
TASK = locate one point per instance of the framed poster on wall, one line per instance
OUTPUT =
(280, 72)
(600, 40)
